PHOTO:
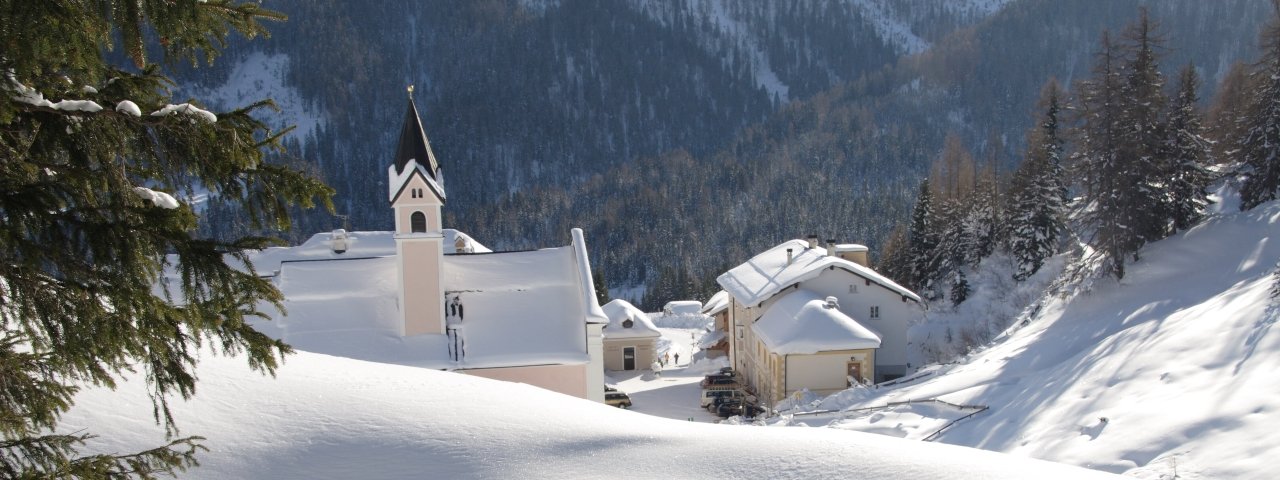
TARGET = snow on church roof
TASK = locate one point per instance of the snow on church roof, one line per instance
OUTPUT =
(769, 272)
(521, 308)
(349, 309)
(358, 244)
(620, 310)
(803, 323)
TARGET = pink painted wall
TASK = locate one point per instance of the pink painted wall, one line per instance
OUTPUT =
(421, 296)
(566, 379)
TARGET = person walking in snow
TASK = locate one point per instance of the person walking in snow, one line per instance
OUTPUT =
(677, 358)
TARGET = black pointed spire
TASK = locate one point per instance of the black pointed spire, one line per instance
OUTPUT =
(413, 142)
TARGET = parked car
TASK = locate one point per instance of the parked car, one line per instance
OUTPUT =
(737, 407)
(719, 379)
(617, 399)
(710, 395)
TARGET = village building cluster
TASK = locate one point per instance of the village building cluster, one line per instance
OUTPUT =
(797, 316)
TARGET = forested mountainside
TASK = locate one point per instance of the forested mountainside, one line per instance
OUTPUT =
(685, 136)
(538, 94)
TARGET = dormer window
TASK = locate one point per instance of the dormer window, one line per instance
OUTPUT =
(627, 323)
(418, 222)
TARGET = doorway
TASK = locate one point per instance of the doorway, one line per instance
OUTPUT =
(628, 358)
(854, 372)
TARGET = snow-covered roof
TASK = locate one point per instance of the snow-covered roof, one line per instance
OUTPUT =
(349, 309)
(803, 323)
(620, 310)
(523, 308)
(851, 247)
(710, 339)
(683, 307)
(769, 272)
(520, 308)
(718, 303)
(359, 244)
(398, 179)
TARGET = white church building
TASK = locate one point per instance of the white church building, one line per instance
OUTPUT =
(433, 297)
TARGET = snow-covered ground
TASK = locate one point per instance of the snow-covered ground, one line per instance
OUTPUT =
(1169, 373)
(333, 417)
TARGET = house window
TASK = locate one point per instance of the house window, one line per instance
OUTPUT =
(418, 223)
(627, 323)
(853, 289)
(875, 312)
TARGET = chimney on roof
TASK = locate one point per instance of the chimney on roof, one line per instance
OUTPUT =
(831, 247)
(832, 303)
(853, 253)
(789, 257)
(813, 241)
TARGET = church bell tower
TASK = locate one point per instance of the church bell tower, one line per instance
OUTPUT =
(416, 188)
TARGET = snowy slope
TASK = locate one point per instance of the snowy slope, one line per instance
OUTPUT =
(1172, 370)
(330, 417)
(258, 76)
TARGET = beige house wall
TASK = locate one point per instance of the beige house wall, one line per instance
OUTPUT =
(823, 373)
(646, 352)
(566, 379)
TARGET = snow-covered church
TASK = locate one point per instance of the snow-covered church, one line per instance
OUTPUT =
(433, 297)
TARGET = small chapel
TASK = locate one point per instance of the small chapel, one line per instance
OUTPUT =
(530, 316)
(429, 296)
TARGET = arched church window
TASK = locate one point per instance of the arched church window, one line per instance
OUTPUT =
(418, 223)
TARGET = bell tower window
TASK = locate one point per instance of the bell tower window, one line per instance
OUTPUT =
(418, 222)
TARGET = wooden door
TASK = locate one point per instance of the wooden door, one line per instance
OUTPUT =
(628, 358)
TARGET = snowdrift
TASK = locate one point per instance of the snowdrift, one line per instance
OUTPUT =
(332, 417)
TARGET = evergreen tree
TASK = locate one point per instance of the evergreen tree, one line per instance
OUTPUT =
(1144, 167)
(922, 238)
(1187, 153)
(895, 256)
(91, 191)
(959, 287)
(1097, 160)
(1037, 217)
(985, 216)
(1260, 148)
(602, 289)
(1225, 119)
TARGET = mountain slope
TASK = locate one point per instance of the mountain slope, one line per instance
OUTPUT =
(1171, 369)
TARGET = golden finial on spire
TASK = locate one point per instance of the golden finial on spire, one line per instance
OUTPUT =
(410, 91)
